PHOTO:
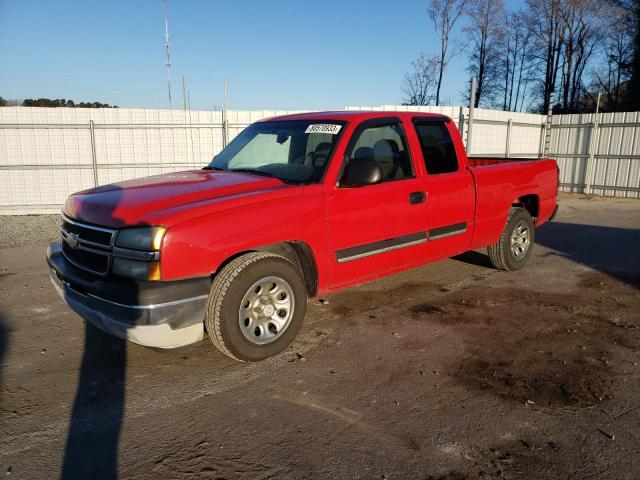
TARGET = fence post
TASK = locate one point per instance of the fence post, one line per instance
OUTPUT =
(543, 129)
(547, 127)
(224, 128)
(590, 170)
(94, 160)
(508, 142)
(225, 125)
(472, 104)
(461, 122)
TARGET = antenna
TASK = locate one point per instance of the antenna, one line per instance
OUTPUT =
(166, 46)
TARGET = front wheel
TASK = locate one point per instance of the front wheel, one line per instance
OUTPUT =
(256, 306)
(514, 247)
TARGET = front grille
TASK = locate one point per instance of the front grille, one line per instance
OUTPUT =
(100, 237)
(92, 261)
(88, 247)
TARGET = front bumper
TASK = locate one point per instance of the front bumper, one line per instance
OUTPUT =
(154, 314)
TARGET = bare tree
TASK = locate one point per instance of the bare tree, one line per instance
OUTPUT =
(420, 83)
(520, 58)
(509, 50)
(485, 32)
(633, 91)
(444, 14)
(523, 61)
(618, 54)
(631, 94)
(613, 75)
(516, 62)
(548, 34)
(580, 20)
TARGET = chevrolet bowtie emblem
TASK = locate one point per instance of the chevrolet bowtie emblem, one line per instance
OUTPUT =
(72, 240)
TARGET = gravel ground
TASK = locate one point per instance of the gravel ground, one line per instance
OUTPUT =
(451, 371)
(26, 230)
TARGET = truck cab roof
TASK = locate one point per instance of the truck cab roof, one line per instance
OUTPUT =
(354, 115)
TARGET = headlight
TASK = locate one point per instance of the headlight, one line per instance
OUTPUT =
(144, 238)
(137, 253)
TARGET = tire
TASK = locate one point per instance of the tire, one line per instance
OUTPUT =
(266, 283)
(510, 252)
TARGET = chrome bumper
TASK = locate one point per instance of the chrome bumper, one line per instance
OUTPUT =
(164, 325)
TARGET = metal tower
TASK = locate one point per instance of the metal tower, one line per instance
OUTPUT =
(166, 46)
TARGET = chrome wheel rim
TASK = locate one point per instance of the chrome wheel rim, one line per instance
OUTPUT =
(520, 240)
(266, 310)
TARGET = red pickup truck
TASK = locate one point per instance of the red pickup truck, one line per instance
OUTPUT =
(295, 206)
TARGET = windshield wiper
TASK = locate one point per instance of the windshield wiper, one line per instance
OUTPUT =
(251, 170)
(209, 167)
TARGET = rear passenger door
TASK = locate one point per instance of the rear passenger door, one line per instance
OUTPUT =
(374, 229)
(449, 189)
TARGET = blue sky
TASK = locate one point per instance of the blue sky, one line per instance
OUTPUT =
(275, 53)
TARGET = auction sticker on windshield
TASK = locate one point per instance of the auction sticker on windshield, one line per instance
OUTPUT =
(323, 128)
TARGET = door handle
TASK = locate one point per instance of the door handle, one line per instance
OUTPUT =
(417, 197)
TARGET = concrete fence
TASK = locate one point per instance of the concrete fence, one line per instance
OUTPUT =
(48, 153)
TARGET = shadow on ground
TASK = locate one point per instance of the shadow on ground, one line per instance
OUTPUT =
(92, 442)
(474, 258)
(4, 341)
(609, 250)
(91, 450)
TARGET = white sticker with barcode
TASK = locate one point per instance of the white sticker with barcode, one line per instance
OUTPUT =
(323, 128)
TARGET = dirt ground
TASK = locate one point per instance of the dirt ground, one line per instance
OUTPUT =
(450, 371)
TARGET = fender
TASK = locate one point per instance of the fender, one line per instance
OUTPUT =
(248, 228)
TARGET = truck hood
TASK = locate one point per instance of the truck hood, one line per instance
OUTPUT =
(171, 198)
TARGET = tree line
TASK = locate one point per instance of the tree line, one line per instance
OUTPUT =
(59, 102)
(559, 51)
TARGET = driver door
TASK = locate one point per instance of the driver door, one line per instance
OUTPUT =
(378, 228)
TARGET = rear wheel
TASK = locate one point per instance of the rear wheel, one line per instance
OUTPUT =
(514, 247)
(256, 306)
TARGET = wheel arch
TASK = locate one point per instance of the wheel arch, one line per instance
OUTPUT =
(531, 203)
(297, 252)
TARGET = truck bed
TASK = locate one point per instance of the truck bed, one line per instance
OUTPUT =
(502, 182)
(493, 161)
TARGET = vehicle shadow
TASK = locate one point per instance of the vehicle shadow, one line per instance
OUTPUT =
(4, 342)
(610, 250)
(474, 258)
(91, 449)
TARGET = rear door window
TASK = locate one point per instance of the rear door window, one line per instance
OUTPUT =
(437, 148)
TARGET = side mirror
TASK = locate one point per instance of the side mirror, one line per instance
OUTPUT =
(360, 172)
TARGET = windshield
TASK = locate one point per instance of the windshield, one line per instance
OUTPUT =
(295, 151)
